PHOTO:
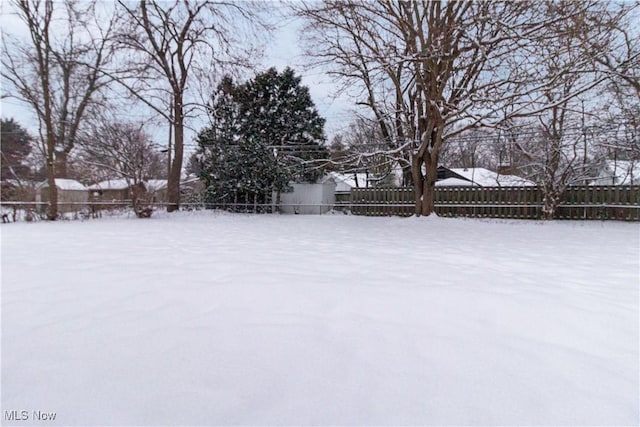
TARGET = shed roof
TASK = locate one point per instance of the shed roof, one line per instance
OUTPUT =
(487, 178)
(64, 184)
(111, 184)
(455, 182)
(155, 184)
(347, 181)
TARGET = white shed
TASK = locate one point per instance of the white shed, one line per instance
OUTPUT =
(72, 195)
(308, 199)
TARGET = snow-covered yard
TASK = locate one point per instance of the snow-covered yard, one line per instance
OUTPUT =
(219, 319)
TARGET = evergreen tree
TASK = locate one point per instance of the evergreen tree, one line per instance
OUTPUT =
(281, 114)
(263, 134)
(15, 148)
(218, 151)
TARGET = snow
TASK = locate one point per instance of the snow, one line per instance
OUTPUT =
(619, 172)
(454, 182)
(347, 181)
(111, 184)
(220, 319)
(64, 184)
(486, 178)
(121, 184)
(155, 184)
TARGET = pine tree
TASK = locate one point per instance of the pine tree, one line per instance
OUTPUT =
(281, 114)
(218, 153)
(15, 148)
(264, 134)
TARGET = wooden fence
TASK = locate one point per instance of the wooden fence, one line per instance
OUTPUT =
(578, 202)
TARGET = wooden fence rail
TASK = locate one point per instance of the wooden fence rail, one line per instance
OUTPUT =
(578, 202)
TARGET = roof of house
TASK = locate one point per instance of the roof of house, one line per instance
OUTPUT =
(111, 184)
(155, 184)
(65, 184)
(455, 182)
(122, 184)
(486, 178)
(347, 181)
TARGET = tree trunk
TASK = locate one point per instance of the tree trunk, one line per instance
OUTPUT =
(140, 205)
(418, 178)
(429, 186)
(61, 164)
(407, 176)
(173, 182)
(52, 209)
(424, 185)
(551, 202)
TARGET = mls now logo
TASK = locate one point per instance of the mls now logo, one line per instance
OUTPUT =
(24, 416)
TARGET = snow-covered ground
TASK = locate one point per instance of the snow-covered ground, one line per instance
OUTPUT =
(220, 319)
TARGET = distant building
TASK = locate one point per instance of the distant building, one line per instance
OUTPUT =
(479, 177)
(120, 190)
(111, 190)
(72, 195)
(156, 190)
(308, 199)
(347, 181)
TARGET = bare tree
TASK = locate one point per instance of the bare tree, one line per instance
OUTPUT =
(360, 148)
(478, 147)
(174, 45)
(616, 51)
(56, 73)
(431, 70)
(560, 154)
(420, 66)
(554, 156)
(123, 150)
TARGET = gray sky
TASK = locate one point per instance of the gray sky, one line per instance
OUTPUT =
(284, 50)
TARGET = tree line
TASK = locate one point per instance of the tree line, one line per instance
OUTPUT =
(81, 60)
(431, 81)
(524, 74)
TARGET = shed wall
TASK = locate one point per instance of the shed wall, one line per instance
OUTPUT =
(307, 199)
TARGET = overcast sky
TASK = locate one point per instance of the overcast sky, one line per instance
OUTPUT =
(284, 50)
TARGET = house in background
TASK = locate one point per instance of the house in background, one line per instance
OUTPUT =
(346, 181)
(456, 182)
(111, 190)
(619, 172)
(479, 177)
(308, 199)
(120, 190)
(156, 190)
(72, 195)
